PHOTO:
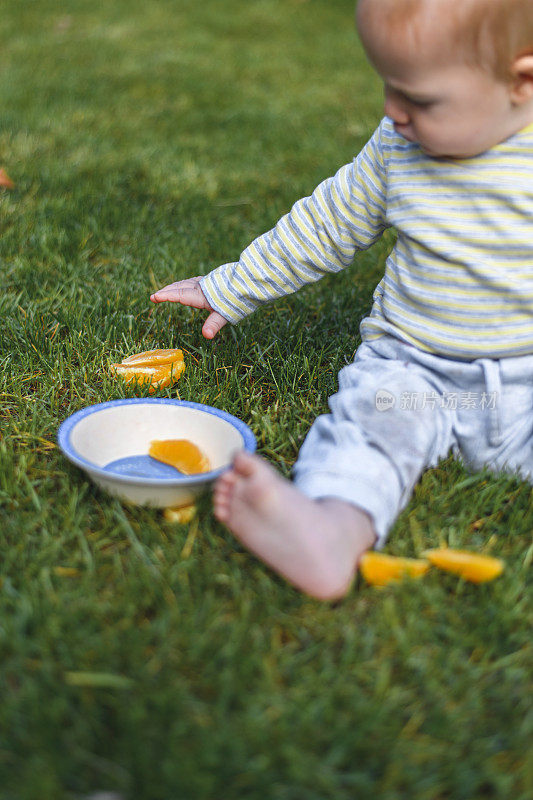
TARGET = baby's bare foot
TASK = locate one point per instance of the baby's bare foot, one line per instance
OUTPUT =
(315, 544)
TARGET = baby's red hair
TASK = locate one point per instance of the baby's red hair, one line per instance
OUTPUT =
(493, 32)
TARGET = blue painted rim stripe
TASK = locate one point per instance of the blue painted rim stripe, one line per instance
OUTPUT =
(66, 428)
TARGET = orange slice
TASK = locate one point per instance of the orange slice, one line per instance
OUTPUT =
(5, 180)
(157, 368)
(471, 566)
(179, 514)
(154, 358)
(181, 454)
(380, 569)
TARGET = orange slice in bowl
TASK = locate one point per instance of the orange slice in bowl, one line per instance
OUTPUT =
(181, 454)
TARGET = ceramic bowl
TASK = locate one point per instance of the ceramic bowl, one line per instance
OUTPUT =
(110, 442)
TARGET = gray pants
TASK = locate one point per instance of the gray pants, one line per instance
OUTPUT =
(400, 410)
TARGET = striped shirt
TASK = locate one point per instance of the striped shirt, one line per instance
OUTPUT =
(459, 280)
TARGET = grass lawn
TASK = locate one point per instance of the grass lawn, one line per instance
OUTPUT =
(151, 140)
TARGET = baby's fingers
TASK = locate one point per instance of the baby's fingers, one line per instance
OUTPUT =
(187, 292)
(213, 324)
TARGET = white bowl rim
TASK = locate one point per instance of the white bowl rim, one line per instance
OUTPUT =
(67, 426)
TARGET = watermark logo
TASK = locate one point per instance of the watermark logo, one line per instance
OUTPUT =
(418, 401)
(385, 400)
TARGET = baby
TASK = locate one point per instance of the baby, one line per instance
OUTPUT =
(446, 359)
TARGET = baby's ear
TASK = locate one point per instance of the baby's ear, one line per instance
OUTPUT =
(522, 79)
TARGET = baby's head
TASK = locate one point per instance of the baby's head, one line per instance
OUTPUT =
(458, 73)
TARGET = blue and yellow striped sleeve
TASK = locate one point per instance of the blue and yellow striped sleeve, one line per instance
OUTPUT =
(320, 235)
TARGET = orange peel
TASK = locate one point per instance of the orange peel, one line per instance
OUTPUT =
(471, 566)
(379, 569)
(155, 368)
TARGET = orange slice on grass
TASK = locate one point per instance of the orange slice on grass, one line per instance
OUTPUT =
(380, 569)
(179, 514)
(157, 368)
(471, 566)
(181, 454)
(154, 358)
(5, 180)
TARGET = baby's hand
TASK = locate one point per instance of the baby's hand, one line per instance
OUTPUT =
(189, 293)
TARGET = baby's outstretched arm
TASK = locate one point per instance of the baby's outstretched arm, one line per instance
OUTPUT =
(189, 293)
(318, 236)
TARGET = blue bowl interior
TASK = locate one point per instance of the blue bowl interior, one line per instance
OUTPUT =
(142, 467)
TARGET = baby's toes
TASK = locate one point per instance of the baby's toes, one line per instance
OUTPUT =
(221, 507)
(222, 494)
(225, 484)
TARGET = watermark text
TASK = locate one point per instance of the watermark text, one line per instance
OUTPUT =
(418, 401)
